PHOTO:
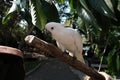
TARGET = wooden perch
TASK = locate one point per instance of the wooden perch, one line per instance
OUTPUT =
(56, 52)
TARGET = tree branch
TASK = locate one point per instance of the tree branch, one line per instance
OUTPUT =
(56, 52)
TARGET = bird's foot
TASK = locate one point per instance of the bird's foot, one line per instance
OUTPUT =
(65, 53)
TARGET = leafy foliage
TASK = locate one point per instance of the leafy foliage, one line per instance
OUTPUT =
(32, 13)
(41, 8)
(99, 20)
(102, 8)
(106, 37)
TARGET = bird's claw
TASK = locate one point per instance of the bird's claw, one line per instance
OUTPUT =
(65, 53)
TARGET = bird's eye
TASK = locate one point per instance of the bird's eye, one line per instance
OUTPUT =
(52, 28)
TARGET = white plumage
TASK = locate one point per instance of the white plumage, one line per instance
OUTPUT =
(68, 39)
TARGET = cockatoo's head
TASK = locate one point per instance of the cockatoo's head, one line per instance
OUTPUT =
(53, 28)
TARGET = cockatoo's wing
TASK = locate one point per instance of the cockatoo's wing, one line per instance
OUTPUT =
(63, 49)
(60, 46)
(79, 47)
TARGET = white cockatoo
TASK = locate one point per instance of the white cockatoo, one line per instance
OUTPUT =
(68, 39)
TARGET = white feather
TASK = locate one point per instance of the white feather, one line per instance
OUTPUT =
(68, 39)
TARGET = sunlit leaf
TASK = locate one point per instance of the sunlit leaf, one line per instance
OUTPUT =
(71, 3)
(14, 7)
(17, 4)
(42, 12)
(38, 17)
(83, 3)
(9, 16)
(86, 15)
(101, 7)
(89, 19)
(118, 5)
(33, 13)
(6, 18)
(109, 4)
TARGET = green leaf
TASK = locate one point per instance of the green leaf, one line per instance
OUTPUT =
(109, 4)
(89, 19)
(118, 7)
(118, 63)
(85, 7)
(86, 15)
(111, 53)
(6, 18)
(111, 59)
(38, 17)
(50, 8)
(43, 12)
(13, 7)
(83, 3)
(102, 8)
(71, 3)
(16, 6)
(60, 1)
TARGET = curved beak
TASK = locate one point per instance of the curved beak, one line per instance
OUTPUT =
(47, 32)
